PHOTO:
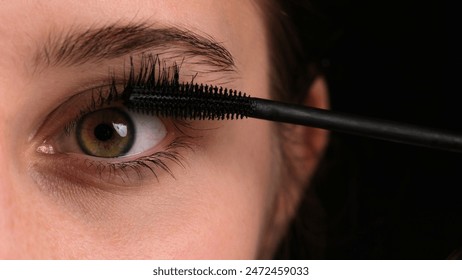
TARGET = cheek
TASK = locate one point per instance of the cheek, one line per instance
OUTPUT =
(238, 177)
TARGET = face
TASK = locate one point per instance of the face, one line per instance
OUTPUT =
(80, 179)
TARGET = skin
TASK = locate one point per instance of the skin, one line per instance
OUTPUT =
(224, 202)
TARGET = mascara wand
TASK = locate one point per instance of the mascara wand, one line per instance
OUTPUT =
(202, 102)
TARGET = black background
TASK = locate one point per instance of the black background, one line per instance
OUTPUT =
(396, 60)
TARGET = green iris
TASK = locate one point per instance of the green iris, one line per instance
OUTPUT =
(106, 133)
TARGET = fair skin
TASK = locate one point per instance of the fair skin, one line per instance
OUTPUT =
(223, 201)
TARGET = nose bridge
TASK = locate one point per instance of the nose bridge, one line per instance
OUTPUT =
(5, 179)
(15, 211)
(8, 201)
(4, 139)
(5, 133)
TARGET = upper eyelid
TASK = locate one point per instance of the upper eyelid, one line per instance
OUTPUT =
(108, 91)
(77, 46)
(99, 82)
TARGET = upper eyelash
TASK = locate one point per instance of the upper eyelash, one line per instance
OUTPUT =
(151, 74)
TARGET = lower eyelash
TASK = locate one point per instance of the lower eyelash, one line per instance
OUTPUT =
(158, 160)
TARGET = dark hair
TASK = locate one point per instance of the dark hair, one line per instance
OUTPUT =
(296, 49)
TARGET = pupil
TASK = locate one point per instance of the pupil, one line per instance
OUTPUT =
(103, 132)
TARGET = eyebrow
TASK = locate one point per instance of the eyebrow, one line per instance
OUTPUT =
(76, 47)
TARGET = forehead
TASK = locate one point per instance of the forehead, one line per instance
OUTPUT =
(235, 24)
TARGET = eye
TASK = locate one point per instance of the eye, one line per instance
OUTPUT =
(92, 139)
(111, 133)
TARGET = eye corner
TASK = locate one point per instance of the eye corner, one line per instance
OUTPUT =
(45, 148)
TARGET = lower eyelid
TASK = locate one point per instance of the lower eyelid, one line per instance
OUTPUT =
(69, 175)
(117, 175)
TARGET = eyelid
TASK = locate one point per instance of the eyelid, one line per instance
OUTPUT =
(110, 90)
(75, 106)
(113, 175)
(150, 69)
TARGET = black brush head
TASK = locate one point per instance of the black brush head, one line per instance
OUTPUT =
(190, 101)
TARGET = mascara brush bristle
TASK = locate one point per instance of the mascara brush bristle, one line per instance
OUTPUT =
(190, 101)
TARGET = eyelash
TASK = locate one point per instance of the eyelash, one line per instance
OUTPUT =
(145, 78)
(150, 162)
(152, 73)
